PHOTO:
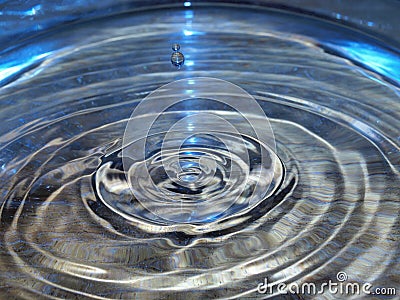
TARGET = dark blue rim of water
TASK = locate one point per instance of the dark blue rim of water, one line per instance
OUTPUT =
(24, 45)
(24, 20)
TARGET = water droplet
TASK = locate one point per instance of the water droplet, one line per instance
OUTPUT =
(176, 47)
(177, 59)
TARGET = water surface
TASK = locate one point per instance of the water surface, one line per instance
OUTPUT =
(69, 226)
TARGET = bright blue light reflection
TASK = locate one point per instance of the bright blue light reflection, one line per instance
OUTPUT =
(8, 69)
(187, 32)
(375, 58)
(30, 12)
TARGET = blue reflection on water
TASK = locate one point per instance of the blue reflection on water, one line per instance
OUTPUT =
(30, 12)
(188, 32)
(375, 58)
(362, 50)
(11, 69)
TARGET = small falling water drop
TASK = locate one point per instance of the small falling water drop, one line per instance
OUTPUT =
(176, 47)
(177, 58)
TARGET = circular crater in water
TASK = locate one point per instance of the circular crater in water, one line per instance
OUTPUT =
(200, 183)
(201, 153)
